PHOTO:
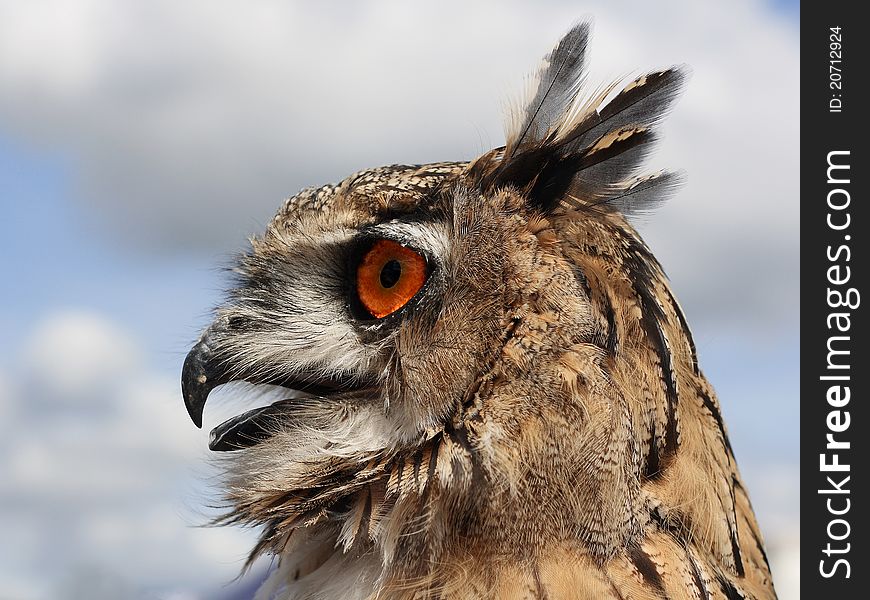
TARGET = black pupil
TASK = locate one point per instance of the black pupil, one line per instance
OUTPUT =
(390, 273)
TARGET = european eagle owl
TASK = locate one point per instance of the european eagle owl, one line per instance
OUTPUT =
(492, 391)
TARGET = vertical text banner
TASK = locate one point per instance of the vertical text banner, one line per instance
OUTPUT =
(835, 362)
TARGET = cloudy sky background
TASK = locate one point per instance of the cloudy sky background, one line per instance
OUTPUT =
(140, 143)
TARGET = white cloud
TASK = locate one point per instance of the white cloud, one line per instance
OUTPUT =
(114, 488)
(71, 355)
(775, 494)
(785, 564)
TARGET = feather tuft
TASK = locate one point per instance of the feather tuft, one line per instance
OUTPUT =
(559, 80)
(573, 147)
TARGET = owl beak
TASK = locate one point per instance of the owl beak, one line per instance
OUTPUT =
(204, 370)
(200, 374)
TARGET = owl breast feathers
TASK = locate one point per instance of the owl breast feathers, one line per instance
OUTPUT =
(491, 390)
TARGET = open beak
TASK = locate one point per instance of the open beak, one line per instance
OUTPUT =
(204, 370)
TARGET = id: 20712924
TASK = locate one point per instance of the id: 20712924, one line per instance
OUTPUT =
(835, 69)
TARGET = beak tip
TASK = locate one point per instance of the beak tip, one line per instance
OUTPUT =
(195, 416)
(195, 383)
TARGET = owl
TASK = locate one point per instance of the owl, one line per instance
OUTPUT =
(489, 388)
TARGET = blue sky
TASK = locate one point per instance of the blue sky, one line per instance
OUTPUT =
(130, 171)
(789, 7)
(57, 255)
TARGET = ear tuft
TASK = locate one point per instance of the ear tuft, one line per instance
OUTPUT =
(559, 80)
(570, 148)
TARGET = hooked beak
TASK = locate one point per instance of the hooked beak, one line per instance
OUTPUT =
(199, 376)
(204, 370)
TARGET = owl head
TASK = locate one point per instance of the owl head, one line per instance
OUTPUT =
(458, 335)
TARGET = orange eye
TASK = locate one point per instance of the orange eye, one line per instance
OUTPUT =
(388, 276)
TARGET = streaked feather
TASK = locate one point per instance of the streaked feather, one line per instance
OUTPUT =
(576, 147)
(559, 80)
